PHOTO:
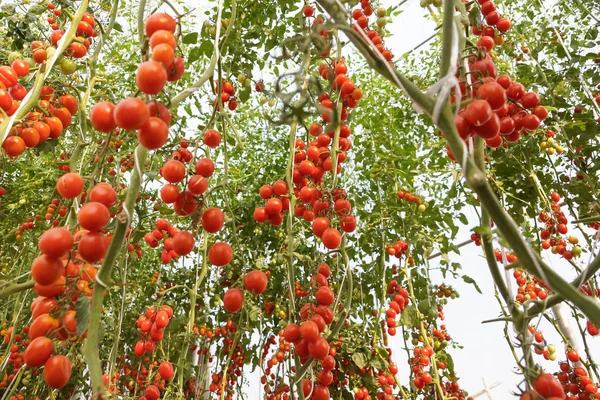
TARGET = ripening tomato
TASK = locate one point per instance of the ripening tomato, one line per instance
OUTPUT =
(55, 125)
(55, 242)
(212, 138)
(319, 348)
(205, 167)
(256, 281)
(328, 364)
(169, 193)
(274, 206)
(131, 113)
(158, 21)
(325, 295)
(163, 37)
(30, 136)
(57, 371)
(153, 134)
(46, 269)
(152, 393)
(42, 326)
(197, 184)
(158, 109)
(291, 333)
(13, 146)
(69, 185)
(493, 93)
(220, 254)
(164, 54)
(93, 216)
(21, 67)
(212, 220)
(319, 225)
(103, 193)
(309, 331)
(151, 77)
(56, 288)
(547, 386)
(186, 203)
(331, 238)
(165, 370)
(93, 246)
(38, 351)
(183, 243)
(478, 112)
(102, 116)
(176, 70)
(233, 301)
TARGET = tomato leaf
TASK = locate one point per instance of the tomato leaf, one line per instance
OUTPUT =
(409, 317)
(82, 314)
(191, 38)
(470, 280)
(360, 359)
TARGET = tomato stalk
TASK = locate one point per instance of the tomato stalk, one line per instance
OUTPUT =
(13, 288)
(92, 344)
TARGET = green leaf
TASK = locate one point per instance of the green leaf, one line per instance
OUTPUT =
(408, 318)
(360, 359)
(82, 314)
(191, 38)
(470, 280)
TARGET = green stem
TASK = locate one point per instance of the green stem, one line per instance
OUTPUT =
(92, 344)
(15, 288)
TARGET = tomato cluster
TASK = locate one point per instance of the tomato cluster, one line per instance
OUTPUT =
(493, 22)
(397, 249)
(361, 16)
(227, 96)
(556, 225)
(152, 328)
(399, 301)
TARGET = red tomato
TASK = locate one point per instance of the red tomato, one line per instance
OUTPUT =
(103, 193)
(153, 134)
(102, 116)
(183, 243)
(46, 269)
(256, 281)
(69, 185)
(93, 216)
(212, 220)
(56, 242)
(93, 247)
(233, 301)
(38, 351)
(165, 369)
(131, 113)
(220, 254)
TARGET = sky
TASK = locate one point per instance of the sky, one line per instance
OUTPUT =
(485, 354)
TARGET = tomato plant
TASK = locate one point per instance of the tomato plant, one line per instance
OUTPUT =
(269, 197)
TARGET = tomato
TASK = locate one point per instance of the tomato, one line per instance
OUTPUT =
(212, 138)
(8, 76)
(325, 295)
(18, 92)
(43, 305)
(131, 113)
(57, 371)
(54, 289)
(493, 93)
(233, 301)
(20, 67)
(348, 223)
(212, 220)
(515, 91)
(46, 269)
(139, 348)
(63, 115)
(490, 129)
(38, 351)
(158, 109)
(503, 24)
(307, 387)
(165, 370)
(92, 247)
(186, 203)
(205, 167)
(486, 42)
(495, 141)
(151, 77)
(220, 254)
(69, 323)
(197, 184)
(67, 66)
(159, 21)
(56, 242)
(89, 18)
(152, 393)
(6, 100)
(103, 193)
(541, 112)
(93, 216)
(320, 392)
(331, 238)
(572, 356)
(183, 243)
(531, 122)
(55, 125)
(153, 134)
(274, 206)
(478, 112)
(291, 333)
(162, 319)
(173, 171)
(261, 215)
(319, 225)
(309, 331)
(176, 70)
(30, 136)
(42, 129)
(13, 146)
(102, 116)
(69, 102)
(42, 326)
(169, 193)
(547, 386)
(256, 281)
(484, 66)
(163, 37)
(328, 364)
(319, 348)
(530, 100)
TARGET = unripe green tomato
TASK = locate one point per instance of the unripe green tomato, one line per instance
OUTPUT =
(415, 342)
(280, 234)
(262, 99)
(282, 323)
(30, 61)
(381, 12)
(67, 67)
(248, 82)
(381, 22)
(552, 357)
(22, 201)
(551, 349)
(437, 3)
(444, 343)
(14, 55)
(423, 3)
(271, 103)
(212, 31)
(422, 208)
(576, 251)
(225, 22)
(553, 250)
(50, 52)
(241, 77)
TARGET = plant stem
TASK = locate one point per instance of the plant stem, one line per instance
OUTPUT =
(15, 288)
(91, 349)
